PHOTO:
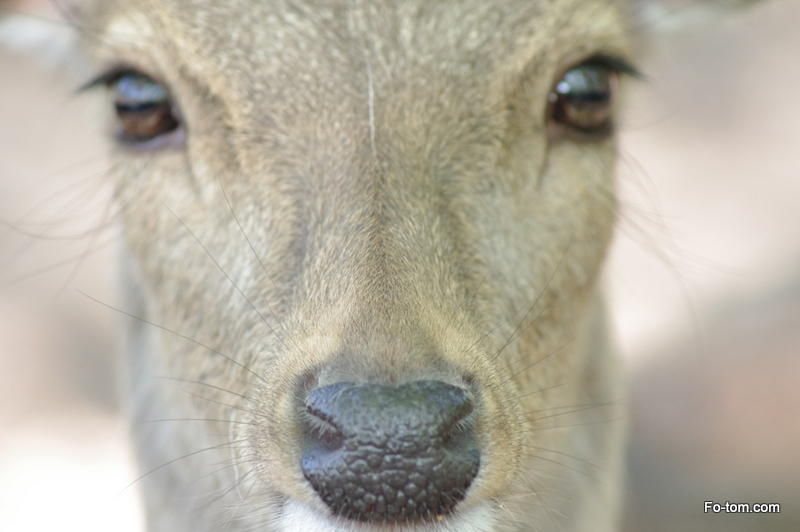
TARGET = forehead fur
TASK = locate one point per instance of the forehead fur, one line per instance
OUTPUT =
(292, 41)
(269, 62)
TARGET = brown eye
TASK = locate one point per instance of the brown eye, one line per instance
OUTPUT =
(582, 102)
(144, 108)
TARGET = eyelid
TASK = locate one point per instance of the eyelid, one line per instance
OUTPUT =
(615, 63)
(109, 76)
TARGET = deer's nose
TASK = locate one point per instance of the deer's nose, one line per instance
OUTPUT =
(390, 454)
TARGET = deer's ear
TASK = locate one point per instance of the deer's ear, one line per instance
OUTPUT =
(664, 16)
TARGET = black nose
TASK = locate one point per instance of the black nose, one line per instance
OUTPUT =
(390, 454)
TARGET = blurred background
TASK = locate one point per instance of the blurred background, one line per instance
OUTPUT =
(703, 282)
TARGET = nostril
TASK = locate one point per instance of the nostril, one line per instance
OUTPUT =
(320, 409)
(324, 433)
(390, 454)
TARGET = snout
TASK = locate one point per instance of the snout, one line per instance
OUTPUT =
(390, 454)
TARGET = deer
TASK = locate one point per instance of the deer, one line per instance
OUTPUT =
(360, 250)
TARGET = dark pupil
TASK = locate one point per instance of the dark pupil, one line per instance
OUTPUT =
(582, 99)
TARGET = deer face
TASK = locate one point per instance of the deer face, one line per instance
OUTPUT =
(365, 238)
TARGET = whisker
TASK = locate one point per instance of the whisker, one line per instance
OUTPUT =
(548, 355)
(202, 383)
(60, 264)
(87, 250)
(570, 425)
(583, 409)
(187, 455)
(514, 334)
(199, 419)
(221, 403)
(165, 329)
(228, 464)
(470, 300)
(540, 390)
(567, 466)
(234, 510)
(233, 283)
(566, 455)
(222, 493)
(263, 267)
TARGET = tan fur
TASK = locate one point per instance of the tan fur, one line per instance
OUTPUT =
(368, 193)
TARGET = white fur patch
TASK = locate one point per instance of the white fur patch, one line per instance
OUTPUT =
(297, 517)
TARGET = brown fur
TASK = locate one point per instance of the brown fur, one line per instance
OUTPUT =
(368, 192)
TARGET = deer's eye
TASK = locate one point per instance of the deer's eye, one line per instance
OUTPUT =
(145, 111)
(582, 101)
(143, 107)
